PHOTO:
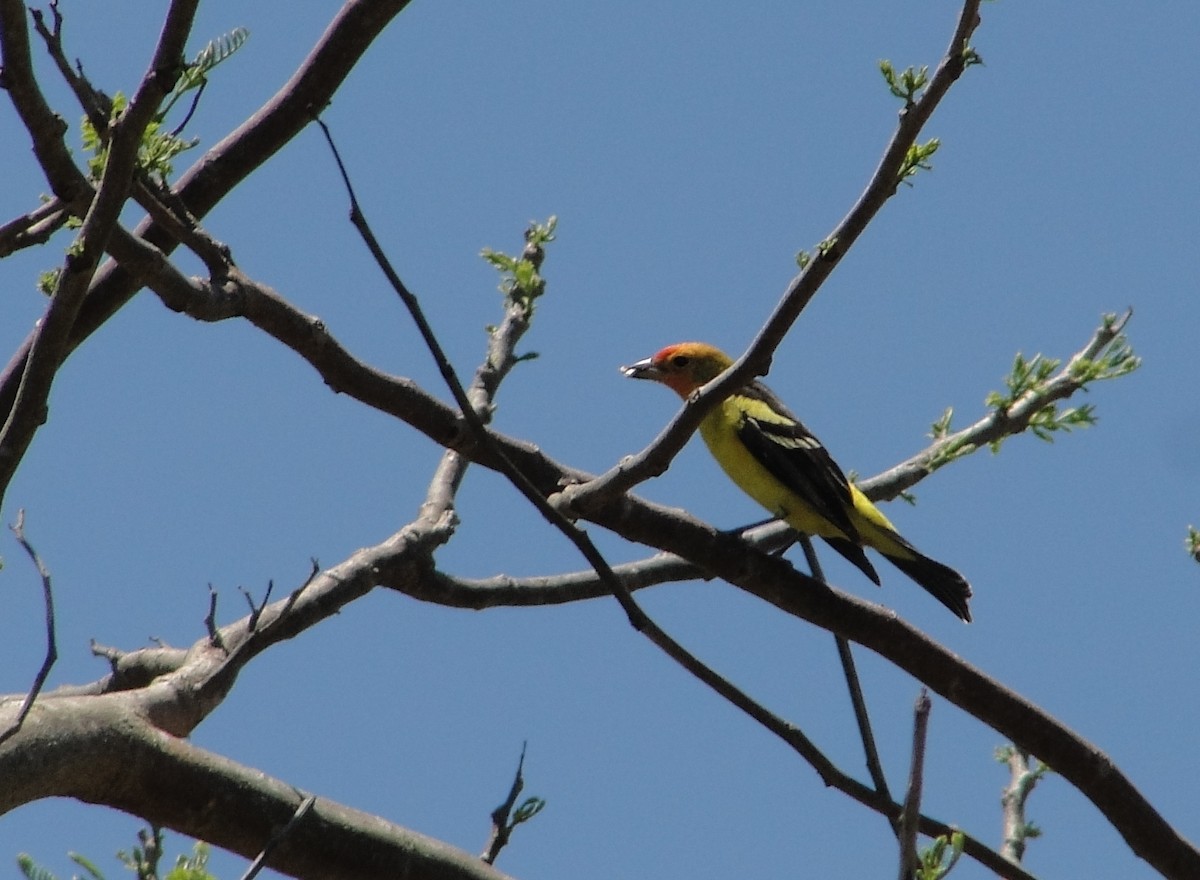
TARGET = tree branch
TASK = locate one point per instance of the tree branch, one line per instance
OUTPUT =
(50, 342)
(102, 750)
(39, 680)
(756, 361)
(350, 33)
(1022, 780)
(850, 672)
(1001, 422)
(907, 824)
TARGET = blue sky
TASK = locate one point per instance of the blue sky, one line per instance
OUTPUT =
(689, 151)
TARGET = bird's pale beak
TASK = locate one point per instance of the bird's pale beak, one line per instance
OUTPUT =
(643, 369)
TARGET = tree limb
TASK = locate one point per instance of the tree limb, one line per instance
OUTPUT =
(102, 750)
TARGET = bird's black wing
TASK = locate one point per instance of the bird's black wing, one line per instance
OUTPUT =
(797, 459)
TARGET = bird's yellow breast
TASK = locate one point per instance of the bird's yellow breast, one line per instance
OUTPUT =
(719, 431)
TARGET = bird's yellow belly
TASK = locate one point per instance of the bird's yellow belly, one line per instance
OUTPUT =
(756, 481)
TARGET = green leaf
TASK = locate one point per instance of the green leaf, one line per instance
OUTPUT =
(529, 808)
(941, 428)
(907, 84)
(87, 865)
(47, 282)
(196, 73)
(31, 870)
(520, 280)
(917, 159)
(1192, 543)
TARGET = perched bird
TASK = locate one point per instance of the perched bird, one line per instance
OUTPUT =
(775, 460)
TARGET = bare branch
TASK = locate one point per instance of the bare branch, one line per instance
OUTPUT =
(210, 620)
(278, 837)
(256, 608)
(39, 680)
(129, 669)
(103, 751)
(498, 362)
(502, 826)
(96, 105)
(33, 228)
(51, 339)
(912, 795)
(850, 671)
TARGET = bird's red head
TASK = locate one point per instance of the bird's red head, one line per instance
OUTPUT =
(682, 367)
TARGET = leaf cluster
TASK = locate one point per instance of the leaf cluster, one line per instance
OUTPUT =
(195, 75)
(159, 147)
(1033, 377)
(521, 281)
(907, 84)
(937, 859)
(825, 249)
(917, 159)
(156, 152)
(140, 861)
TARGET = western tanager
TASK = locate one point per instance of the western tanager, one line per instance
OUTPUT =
(775, 460)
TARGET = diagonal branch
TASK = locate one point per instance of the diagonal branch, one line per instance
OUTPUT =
(756, 361)
(1001, 422)
(912, 796)
(850, 671)
(33, 228)
(497, 363)
(102, 750)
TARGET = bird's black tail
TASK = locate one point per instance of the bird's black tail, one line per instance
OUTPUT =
(943, 583)
(854, 553)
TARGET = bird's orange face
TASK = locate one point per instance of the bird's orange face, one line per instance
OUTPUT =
(682, 367)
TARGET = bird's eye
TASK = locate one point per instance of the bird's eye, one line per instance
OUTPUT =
(680, 360)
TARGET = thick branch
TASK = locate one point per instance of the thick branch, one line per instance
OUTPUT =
(101, 750)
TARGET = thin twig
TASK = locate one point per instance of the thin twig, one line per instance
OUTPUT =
(39, 680)
(279, 836)
(210, 621)
(874, 766)
(1022, 780)
(498, 361)
(908, 823)
(501, 828)
(256, 608)
(996, 425)
(177, 130)
(33, 228)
